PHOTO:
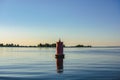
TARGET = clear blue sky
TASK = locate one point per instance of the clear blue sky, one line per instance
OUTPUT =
(89, 22)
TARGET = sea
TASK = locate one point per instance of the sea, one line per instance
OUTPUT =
(95, 63)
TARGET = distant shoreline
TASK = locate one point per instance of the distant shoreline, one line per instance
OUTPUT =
(64, 47)
(46, 45)
(53, 45)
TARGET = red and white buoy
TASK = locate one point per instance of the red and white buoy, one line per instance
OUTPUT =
(59, 56)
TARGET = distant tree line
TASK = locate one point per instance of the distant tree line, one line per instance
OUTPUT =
(83, 46)
(39, 45)
(9, 45)
(14, 45)
(48, 45)
(79, 46)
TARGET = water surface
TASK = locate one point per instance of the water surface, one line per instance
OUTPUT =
(40, 64)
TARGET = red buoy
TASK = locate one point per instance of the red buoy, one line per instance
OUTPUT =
(59, 48)
(59, 56)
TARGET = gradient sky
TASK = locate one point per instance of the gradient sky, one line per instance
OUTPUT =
(88, 22)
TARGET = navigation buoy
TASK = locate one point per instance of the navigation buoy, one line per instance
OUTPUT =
(59, 56)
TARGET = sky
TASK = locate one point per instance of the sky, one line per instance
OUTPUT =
(88, 22)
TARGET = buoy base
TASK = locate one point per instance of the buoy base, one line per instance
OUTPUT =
(57, 56)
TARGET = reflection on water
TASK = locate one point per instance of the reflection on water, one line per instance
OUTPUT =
(40, 64)
(59, 65)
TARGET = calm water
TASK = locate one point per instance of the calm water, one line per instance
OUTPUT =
(79, 64)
